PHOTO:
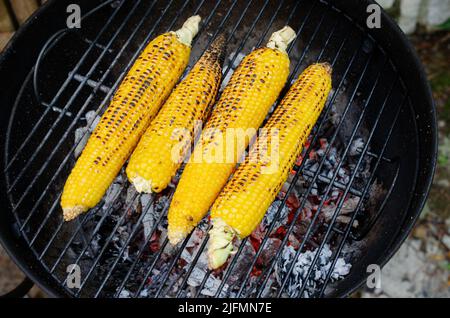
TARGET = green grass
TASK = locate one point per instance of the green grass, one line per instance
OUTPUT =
(441, 82)
(444, 152)
(441, 88)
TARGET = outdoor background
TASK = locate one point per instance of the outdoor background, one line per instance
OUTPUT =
(421, 268)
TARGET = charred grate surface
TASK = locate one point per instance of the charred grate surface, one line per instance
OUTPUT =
(313, 232)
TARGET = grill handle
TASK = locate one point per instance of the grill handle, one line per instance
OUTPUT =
(21, 290)
(53, 40)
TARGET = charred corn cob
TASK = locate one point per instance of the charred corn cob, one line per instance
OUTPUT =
(164, 145)
(132, 108)
(245, 199)
(252, 90)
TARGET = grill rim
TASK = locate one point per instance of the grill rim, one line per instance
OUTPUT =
(417, 198)
(411, 53)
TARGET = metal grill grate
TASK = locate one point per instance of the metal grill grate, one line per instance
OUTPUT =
(365, 98)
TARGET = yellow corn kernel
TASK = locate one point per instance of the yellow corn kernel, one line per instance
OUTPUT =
(245, 102)
(164, 145)
(245, 199)
(132, 108)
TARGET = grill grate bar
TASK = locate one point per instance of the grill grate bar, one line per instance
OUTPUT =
(241, 45)
(339, 185)
(236, 256)
(168, 280)
(139, 255)
(65, 84)
(231, 63)
(203, 283)
(365, 191)
(72, 125)
(298, 169)
(131, 61)
(305, 50)
(61, 115)
(194, 262)
(362, 233)
(172, 265)
(202, 247)
(128, 240)
(315, 137)
(57, 109)
(110, 237)
(252, 27)
(310, 227)
(111, 269)
(91, 83)
(209, 17)
(73, 148)
(374, 155)
(100, 46)
(152, 266)
(352, 177)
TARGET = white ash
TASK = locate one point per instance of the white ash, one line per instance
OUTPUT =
(328, 169)
(120, 238)
(145, 199)
(201, 267)
(92, 120)
(156, 278)
(112, 194)
(269, 288)
(81, 138)
(192, 246)
(124, 294)
(130, 201)
(271, 213)
(356, 147)
(301, 267)
(334, 117)
(94, 246)
(236, 62)
(212, 284)
(151, 212)
(82, 134)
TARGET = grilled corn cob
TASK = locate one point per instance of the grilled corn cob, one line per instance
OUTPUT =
(245, 199)
(252, 90)
(158, 154)
(132, 108)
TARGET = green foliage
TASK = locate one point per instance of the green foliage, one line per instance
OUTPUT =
(444, 152)
(440, 82)
(445, 25)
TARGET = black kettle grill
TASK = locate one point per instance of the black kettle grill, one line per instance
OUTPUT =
(51, 76)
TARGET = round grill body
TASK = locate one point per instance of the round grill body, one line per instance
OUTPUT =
(380, 121)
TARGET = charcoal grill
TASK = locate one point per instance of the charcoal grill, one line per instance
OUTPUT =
(52, 76)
